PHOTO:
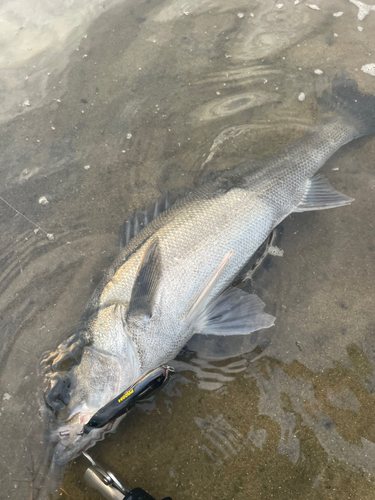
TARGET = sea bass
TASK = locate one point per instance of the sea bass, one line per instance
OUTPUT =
(173, 277)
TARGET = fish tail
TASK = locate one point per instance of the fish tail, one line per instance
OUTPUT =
(357, 109)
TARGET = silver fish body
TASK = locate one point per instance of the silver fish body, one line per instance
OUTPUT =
(171, 280)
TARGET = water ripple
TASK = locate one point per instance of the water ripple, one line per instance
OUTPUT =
(227, 106)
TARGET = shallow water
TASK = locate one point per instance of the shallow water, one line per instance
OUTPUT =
(108, 104)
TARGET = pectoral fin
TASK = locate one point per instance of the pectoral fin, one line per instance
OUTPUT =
(146, 282)
(320, 195)
(234, 312)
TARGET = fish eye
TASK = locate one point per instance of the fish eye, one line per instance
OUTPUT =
(57, 395)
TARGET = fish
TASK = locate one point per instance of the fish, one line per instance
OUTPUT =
(172, 278)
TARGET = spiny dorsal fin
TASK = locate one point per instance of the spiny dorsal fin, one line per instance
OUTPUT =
(142, 218)
(146, 282)
(319, 195)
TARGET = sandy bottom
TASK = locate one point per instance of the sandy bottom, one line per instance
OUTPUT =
(153, 96)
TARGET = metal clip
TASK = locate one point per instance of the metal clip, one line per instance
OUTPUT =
(103, 481)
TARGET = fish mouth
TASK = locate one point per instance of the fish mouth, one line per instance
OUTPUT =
(72, 427)
(71, 441)
(68, 436)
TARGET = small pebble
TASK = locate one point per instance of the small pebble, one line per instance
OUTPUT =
(318, 71)
(301, 96)
(26, 102)
(279, 5)
(360, 28)
(53, 128)
(43, 200)
(129, 136)
(313, 6)
(338, 14)
(276, 251)
(240, 15)
(50, 236)
(369, 69)
(86, 167)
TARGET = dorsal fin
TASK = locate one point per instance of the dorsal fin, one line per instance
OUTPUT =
(146, 282)
(141, 218)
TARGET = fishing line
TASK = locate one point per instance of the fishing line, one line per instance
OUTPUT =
(50, 236)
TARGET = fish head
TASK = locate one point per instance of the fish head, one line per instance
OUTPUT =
(73, 396)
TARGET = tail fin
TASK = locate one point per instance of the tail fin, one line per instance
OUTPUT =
(356, 108)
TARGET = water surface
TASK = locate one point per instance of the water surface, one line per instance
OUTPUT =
(108, 104)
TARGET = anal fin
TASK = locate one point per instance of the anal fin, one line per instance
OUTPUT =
(319, 195)
(234, 312)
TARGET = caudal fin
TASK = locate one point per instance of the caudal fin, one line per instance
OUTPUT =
(356, 108)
